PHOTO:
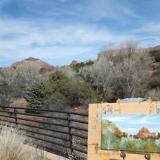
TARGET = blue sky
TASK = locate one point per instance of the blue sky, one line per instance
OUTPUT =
(133, 123)
(59, 31)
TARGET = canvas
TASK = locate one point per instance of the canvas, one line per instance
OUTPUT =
(137, 133)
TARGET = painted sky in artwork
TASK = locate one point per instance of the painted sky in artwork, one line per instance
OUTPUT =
(133, 123)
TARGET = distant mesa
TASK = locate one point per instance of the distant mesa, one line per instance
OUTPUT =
(31, 63)
(144, 133)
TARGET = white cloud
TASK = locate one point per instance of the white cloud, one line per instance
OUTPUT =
(149, 28)
(85, 9)
(110, 9)
(148, 33)
(20, 39)
(64, 28)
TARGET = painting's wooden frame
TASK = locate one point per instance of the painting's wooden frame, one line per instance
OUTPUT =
(95, 120)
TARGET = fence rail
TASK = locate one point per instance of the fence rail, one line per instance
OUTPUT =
(61, 132)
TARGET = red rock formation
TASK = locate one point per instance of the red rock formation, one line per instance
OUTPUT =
(144, 133)
(74, 62)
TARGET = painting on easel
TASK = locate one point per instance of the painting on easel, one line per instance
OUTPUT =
(137, 133)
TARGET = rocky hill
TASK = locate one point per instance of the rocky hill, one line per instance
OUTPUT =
(154, 51)
(31, 63)
(144, 133)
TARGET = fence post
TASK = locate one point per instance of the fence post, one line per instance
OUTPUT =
(70, 134)
(15, 116)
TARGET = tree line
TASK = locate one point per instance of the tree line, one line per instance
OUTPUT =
(126, 71)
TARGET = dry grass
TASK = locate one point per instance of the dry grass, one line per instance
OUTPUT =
(19, 102)
(12, 145)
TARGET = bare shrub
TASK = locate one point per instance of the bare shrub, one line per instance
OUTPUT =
(12, 145)
(154, 94)
(13, 83)
(120, 72)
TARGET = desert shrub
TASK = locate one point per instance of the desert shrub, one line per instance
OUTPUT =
(78, 66)
(74, 92)
(155, 80)
(156, 55)
(154, 83)
(60, 91)
(157, 72)
(13, 83)
(12, 145)
(18, 80)
(68, 72)
(120, 73)
(154, 94)
(5, 97)
(114, 91)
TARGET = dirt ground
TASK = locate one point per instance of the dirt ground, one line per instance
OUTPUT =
(47, 155)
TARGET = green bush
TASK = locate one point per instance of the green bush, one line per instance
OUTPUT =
(59, 91)
(35, 96)
(78, 66)
(67, 91)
